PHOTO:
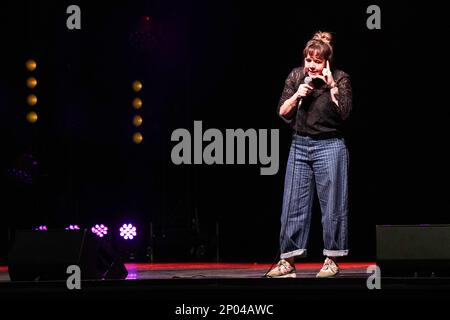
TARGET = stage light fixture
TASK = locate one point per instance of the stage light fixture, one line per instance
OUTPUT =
(32, 100)
(137, 121)
(73, 227)
(32, 117)
(100, 230)
(137, 103)
(128, 231)
(31, 65)
(137, 86)
(137, 138)
(31, 82)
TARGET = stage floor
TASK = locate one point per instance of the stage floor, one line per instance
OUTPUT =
(171, 284)
(154, 271)
(230, 270)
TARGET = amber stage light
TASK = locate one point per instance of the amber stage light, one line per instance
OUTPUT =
(137, 103)
(137, 86)
(32, 117)
(31, 65)
(137, 121)
(137, 138)
(31, 82)
(32, 100)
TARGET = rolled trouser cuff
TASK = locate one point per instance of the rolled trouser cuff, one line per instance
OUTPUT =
(295, 253)
(335, 253)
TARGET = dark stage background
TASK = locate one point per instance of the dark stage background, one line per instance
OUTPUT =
(223, 63)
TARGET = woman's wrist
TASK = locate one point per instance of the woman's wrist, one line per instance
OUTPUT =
(288, 105)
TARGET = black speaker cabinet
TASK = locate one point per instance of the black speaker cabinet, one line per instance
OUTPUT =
(45, 255)
(413, 250)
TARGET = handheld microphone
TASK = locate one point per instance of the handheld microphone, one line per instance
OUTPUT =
(308, 81)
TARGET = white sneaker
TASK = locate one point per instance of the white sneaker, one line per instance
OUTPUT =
(329, 269)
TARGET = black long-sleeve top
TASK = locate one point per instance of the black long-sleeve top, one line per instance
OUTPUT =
(318, 116)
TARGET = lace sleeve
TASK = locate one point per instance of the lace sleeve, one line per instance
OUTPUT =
(290, 87)
(344, 96)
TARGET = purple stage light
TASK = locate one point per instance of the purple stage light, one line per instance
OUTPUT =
(100, 230)
(73, 227)
(41, 228)
(128, 231)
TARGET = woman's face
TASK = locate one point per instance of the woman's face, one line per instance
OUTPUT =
(314, 65)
